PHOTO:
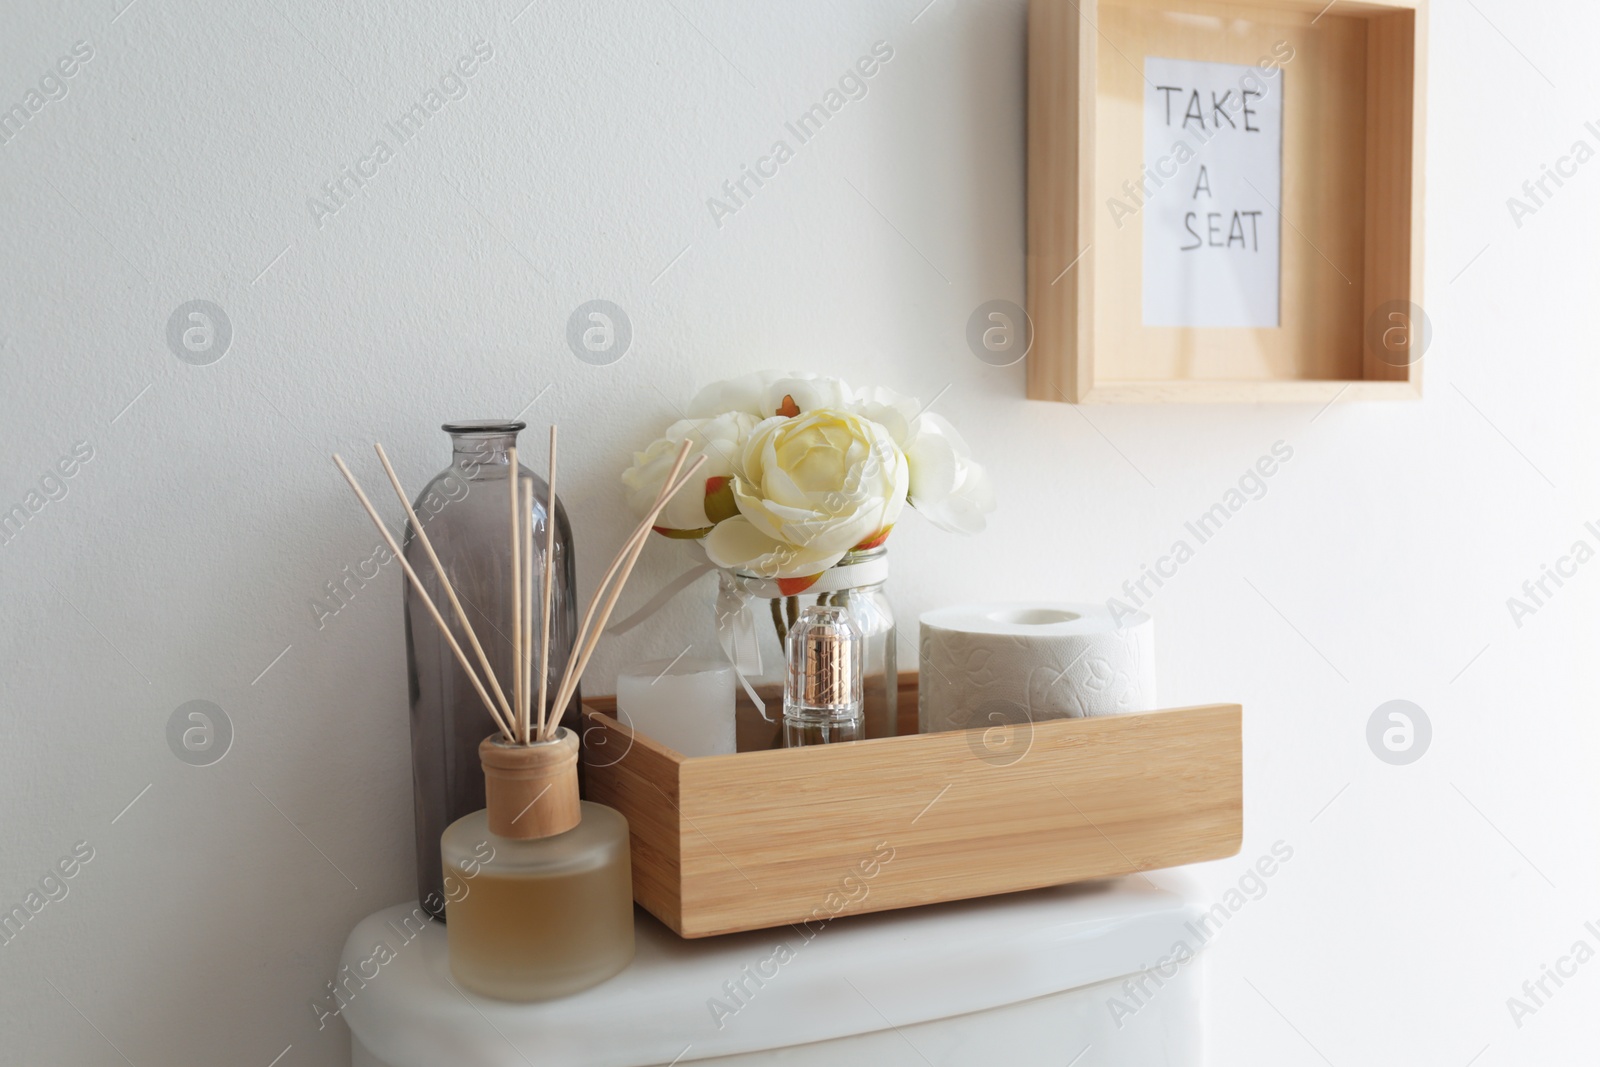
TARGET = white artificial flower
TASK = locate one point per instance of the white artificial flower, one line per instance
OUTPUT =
(769, 393)
(782, 533)
(699, 505)
(809, 488)
(947, 484)
(894, 411)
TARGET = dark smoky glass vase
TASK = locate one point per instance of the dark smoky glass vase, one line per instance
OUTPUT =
(466, 510)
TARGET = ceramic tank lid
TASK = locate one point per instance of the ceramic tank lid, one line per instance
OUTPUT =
(854, 975)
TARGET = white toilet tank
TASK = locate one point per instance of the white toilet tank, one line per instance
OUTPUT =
(1096, 975)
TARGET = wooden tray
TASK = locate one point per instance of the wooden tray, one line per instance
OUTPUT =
(766, 838)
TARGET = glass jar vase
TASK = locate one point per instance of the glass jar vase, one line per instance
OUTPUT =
(754, 616)
(467, 512)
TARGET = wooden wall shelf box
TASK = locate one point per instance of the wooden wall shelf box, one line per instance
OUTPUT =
(1350, 237)
(767, 838)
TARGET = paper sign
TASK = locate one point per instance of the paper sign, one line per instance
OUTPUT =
(1213, 175)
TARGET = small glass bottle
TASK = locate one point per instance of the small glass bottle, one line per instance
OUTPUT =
(822, 699)
(538, 884)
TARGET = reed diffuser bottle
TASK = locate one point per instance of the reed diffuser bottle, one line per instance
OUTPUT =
(538, 886)
(539, 883)
(464, 510)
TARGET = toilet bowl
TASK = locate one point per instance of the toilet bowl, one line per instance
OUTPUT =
(1102, 974)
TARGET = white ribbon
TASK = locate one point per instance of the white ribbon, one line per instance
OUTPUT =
(659, 601)
(832, 580)
(736, 633)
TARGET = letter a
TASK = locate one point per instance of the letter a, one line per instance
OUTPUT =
(719, 210)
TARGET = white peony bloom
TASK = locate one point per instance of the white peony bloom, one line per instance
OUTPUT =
(894, 411)
(768, 393)
(810, 488)
(947, 484)
(695, 508)
(767, 517)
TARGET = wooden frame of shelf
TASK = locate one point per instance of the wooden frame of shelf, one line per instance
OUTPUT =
(1352, 194)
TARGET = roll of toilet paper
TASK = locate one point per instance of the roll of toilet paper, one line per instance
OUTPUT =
(985, 664)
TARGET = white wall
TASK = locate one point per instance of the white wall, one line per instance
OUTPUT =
(184, 555)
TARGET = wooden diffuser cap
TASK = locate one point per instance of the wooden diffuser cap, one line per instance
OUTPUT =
(531, 791)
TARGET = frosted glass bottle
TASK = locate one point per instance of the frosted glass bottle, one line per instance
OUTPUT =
(465, 511)
(538, 884)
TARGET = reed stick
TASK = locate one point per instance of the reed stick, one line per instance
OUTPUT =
(516, 595)
(563, 691)
(526, 591)
(444, 580)
(433, 609)
(549, 582)
(633, 547)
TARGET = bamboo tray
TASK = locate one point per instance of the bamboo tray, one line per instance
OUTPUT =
(777, 836)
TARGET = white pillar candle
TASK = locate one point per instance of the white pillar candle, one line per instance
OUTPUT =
(686, 704)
